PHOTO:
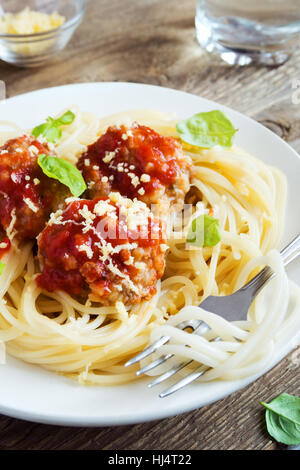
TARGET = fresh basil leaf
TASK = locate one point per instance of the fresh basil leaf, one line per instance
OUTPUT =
(38, 130)
(63, 171)
(52, 134)
(204, 231)
(2, 266)
(50, 129)
(283, 419)
(67, 118)
(207, 130)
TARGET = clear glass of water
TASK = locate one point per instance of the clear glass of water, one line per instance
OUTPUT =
(245, 31)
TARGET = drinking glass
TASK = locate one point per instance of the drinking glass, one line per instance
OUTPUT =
(245, 31)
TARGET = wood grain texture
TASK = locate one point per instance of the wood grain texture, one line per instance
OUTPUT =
(153, 41)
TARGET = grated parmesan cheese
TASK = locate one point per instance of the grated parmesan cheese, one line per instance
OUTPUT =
(103, 207)
(109, 156)
(135, 181)
(87, 249)
(88, 216)
(30, 204)
(145, 178)
(56, 217)
(29, 22)
(136, 214)
(33, 150)
(14, 177)
(10, 232)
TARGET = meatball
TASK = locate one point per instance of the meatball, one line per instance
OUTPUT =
(109, 249)
(137, 162)
(27, 195)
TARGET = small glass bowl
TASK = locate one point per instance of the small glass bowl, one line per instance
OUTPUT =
(32, 50)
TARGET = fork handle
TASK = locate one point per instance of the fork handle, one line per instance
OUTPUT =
(291, 251)
(289, 254)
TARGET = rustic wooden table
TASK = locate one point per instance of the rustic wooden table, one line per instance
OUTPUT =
(153, 41)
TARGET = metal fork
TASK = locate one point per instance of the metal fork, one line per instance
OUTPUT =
(231, 307)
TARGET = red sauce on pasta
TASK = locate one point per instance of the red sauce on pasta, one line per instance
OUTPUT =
(90, 243)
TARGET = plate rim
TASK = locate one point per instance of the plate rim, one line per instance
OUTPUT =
(112, 420)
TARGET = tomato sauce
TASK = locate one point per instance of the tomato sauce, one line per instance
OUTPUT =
(24, 189)
(6, 246)
(71, 251)
(138, 151)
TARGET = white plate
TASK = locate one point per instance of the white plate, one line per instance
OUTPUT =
(31, 393)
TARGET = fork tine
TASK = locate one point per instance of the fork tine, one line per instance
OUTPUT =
(237, 303)
(197, 325)
(168, 374)
(154, 364)
(188, 379)
(175, 369)
(183, 382)
(153, 347)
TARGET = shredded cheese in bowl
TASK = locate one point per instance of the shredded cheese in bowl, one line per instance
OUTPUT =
(29, 22)
(31, 37)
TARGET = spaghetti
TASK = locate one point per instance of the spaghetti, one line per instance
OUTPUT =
(91, 342)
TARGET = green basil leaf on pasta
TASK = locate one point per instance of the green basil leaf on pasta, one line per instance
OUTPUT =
(53, 134)
(204, 231)
(67, 118)
(63, 171)
(2, 266)
(207, 130)
(283, 419)
(50, 129)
